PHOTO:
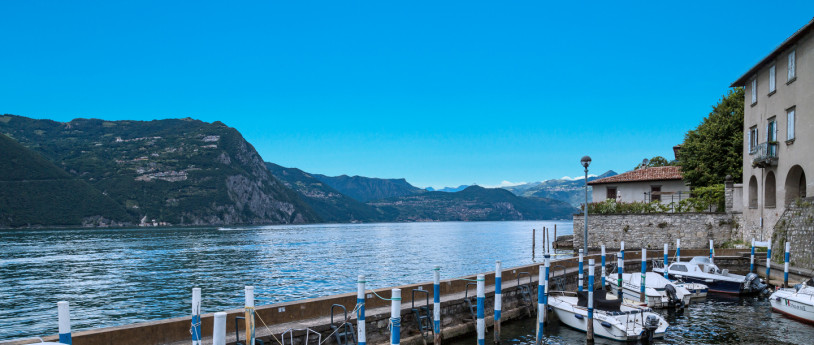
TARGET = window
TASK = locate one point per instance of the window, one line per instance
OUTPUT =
(753, 139)
(771, 130)
(792, 65)
(611, 193)
(754, 91)
(772, 79)
(678, 268)
(790, 122)
(655, 193)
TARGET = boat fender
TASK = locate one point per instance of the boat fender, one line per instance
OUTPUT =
(606, 324)
(578, 316)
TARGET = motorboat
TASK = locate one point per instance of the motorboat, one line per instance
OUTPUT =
(659, 292)
(703, 271)
(697, 290)
(796, 303)
(612, 318)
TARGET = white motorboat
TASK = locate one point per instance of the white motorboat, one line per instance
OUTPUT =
(697, 290)
(659, 292)
(703, 271)
(612, 319)
(796, 303)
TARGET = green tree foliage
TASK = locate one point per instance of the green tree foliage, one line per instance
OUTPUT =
(657, 161)
(715, 148)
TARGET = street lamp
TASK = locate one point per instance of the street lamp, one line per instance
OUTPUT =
(586, 161)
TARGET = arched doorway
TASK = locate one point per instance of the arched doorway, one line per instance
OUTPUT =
(795, 184)
(770, 190)
(753, 192)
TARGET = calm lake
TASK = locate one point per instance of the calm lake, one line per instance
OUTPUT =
(122, 276)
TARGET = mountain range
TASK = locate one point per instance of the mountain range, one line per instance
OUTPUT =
(569, 190)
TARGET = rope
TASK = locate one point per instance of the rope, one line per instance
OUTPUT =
(470, 280)
(384, 299)
(268, 329)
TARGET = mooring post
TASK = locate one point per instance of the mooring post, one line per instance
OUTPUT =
(678, 250)
(752, 258)
(590, 327)
(622, 250)
(644, 272)
(64, 322)
(395, 316)
(196, 316)
(711, 252)
(547, 267)
(436, 305)
(620, 266)
(249, 315)
(545, 240)
(498, 299)
(603, 267)
(555, 236)
(768, 261)
(542, 292)
(481, 323)
(665, 261)
(579, 283)
(533, 243)
(786, 266)
(219, 329)
(360, 313)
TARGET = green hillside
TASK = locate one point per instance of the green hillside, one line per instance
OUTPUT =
(366, 189)
(177, 171)
(35, 192)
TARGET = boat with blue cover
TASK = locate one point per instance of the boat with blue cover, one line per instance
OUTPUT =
(703, 271)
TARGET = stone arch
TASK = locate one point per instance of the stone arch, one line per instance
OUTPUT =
(770, 190)
(795, 184)
(753, 192)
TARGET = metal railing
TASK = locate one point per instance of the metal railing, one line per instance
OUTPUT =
(765, 154)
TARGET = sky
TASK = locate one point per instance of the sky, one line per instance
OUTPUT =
(441, 93)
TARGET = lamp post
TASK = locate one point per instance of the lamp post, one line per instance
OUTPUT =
(586, 161)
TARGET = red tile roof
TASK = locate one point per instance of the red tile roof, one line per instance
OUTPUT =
(648, 174)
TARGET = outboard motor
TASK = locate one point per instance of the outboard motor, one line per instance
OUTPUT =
(672, 297)
(754, 284)
(650, 326)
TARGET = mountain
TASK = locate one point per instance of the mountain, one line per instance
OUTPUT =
(365, 189)
(474, 203)
(448, 189)
(34, 192)
(329, 204)
(571, 191)
(176, 171)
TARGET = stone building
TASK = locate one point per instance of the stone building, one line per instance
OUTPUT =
(663, 184)
(778, 149)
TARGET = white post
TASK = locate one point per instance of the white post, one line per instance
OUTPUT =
(711, 252)
(498, 299)
(752, 258)
(436, 305)
(644, 272)
(249, 314)
(360, 313)
(786, 265)
(590, 328)
(666, 263)
(678, 250)
(219, 329)
(395, 316)
(579, 283)
(603, 267)
(196, 316)
(64, 322)
(620, 267)
(768, 261)
(481, 323)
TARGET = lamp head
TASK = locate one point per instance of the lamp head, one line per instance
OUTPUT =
(586, 161)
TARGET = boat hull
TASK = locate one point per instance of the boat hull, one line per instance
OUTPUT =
(797, 307)
(719, 286)
(605, 325)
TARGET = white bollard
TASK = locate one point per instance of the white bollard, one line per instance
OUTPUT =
(711, 252)
(786, 265)
(64, 322)
(395, 316)
(644, 273)
(219, 329)
(666, 263)
(436, 305)
(768, 261)
(196, 316)
(579, 283)
(603, 267)
(360, 313)
(481, 323)
(678, 250)
(498, 299)
(249, 314)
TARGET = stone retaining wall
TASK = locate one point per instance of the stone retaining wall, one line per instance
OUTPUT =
(653, 230)
(796, 226)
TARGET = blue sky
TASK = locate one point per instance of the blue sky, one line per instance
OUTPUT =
(440, 93)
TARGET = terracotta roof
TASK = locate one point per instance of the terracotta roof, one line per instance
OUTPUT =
(647, 174)
(774, 54)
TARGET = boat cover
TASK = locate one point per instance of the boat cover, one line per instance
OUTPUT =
(600, 303)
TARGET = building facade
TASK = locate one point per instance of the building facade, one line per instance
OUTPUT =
(778, 149)
(663, 184)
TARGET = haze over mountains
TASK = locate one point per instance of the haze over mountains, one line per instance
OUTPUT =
(90, 172)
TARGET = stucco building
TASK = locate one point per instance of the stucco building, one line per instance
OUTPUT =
(778, 150)
(663, 184)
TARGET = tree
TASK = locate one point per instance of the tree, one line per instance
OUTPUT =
(715, 148)
(657, 161)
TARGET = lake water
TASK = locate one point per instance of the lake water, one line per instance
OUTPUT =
(115, 277)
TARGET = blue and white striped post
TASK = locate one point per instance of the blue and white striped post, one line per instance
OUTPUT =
(498, 299)
(678, 250)
(620, 266)
(711, 252)
(395, 317)
(603, 267)
(752, 258)
(665, 261)
(622, 250)
(249, 315)
(546, 268)
(644, 273)
(360, 313)
(64, 322)
(219, 329)
(481, 323)
(768, 261)
(436, 305)
(590, 328)
(196, 316)
(579, 283)
(786, 266)
(542, 298)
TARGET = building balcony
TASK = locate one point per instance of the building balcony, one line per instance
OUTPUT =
(764, 155)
